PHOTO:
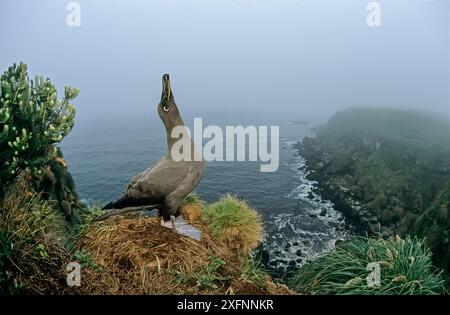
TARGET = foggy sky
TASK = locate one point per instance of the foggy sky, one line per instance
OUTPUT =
(276, 59)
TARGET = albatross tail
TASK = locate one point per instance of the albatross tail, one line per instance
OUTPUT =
(120, 203)
(126, 201)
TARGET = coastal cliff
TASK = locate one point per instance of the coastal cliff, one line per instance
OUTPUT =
(387, 171)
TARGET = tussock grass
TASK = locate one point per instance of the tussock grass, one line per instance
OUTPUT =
(32, 255)
(253, 272)
(406, 269)
(235, 223)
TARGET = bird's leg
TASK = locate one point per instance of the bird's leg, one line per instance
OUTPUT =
(161, 215)
(172, 219)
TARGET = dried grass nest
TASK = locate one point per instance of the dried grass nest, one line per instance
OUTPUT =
(134, 255)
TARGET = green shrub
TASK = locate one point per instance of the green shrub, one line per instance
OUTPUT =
(406, 269)
(32, 120)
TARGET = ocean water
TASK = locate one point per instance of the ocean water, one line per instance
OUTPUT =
(299, 225)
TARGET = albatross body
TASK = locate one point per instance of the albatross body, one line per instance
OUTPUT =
(165, 185)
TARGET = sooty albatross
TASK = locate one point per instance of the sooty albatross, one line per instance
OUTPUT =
(165, 185)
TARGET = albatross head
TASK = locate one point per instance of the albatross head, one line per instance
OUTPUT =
(167, 109)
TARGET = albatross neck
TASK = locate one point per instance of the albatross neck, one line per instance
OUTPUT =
(169, 128)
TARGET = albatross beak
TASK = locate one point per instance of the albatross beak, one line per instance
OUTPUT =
(166, 90)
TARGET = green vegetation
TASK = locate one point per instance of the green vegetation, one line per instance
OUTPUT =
(32, 238)
(234, 222)
(37, 194)
(254, 273)
(214, 275)
(208, 278)
(84, 258)
(395, 164)
(434, 224)
(404, 155)
(32, 120)
(406, 269)
(192, 199)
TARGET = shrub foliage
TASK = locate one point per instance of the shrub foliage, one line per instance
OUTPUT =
(32, 120)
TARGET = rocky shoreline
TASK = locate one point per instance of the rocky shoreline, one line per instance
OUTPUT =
(387, 172)
(358, 220)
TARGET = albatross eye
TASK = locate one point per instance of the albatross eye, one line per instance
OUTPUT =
(166, 108)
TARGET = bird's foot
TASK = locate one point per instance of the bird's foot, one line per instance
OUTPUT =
(171, 225)
(172, 220)
(180, 226)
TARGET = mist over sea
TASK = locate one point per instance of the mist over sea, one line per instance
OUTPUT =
(299, 225)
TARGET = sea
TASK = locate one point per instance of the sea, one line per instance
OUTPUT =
(299, 225)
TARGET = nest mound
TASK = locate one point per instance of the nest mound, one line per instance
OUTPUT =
(135, 255)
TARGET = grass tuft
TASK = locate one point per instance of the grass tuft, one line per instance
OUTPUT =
(235, 223)
(406, 269)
